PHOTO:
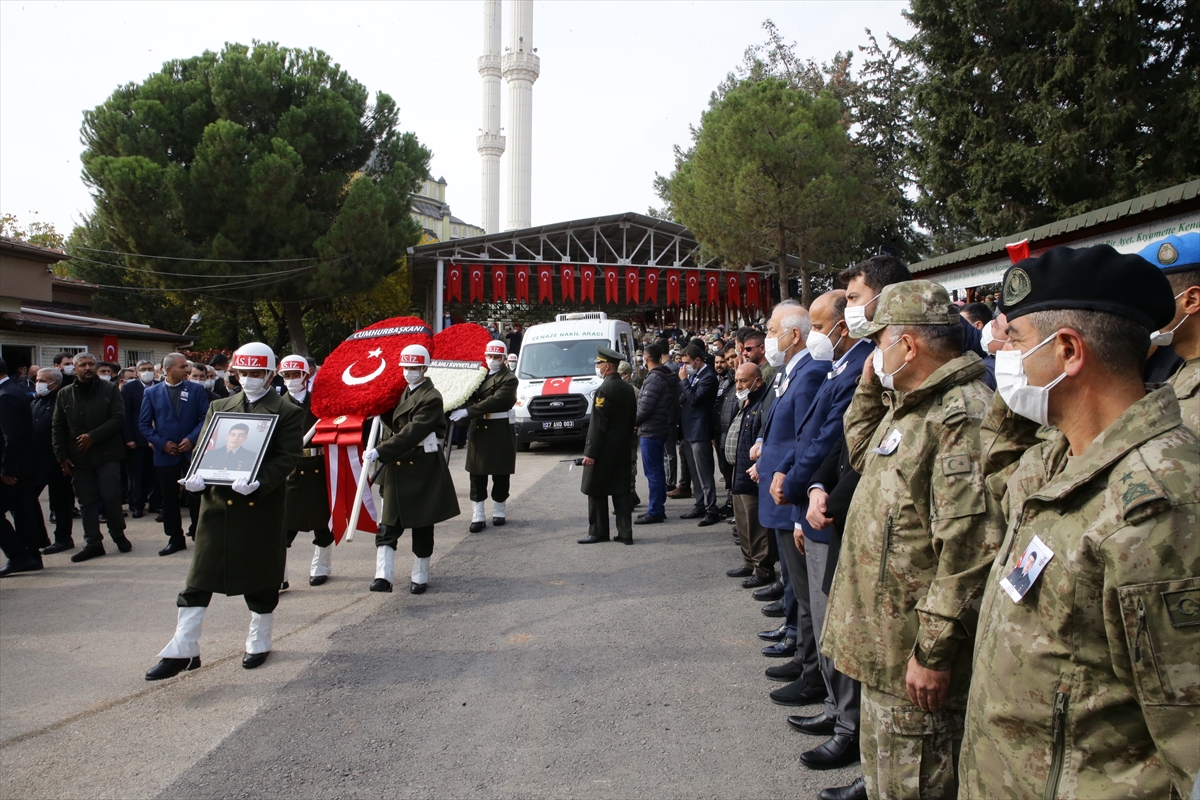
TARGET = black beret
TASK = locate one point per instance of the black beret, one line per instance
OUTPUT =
(1091, 279)
(610, 355)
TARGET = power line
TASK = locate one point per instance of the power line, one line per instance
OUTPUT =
(201, 274)
(210, 260)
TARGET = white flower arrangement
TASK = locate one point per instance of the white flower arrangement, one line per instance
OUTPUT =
(456, 380)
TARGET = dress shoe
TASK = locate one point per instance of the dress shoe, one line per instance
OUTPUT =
(773, 635)
(252, 660)
(840, 751)
(317, 580)
(123, 544)
(283, 587)
(103, 518)
(739, 572)
(637, 501)
(418, 588)
(678, 493)
(170, 667)
(784, 648)
(769, 593)
(380, 585)
(58, 547)
(76, 513)
(646, 519)
(726, 511)
(773, 609)
(695, 513)
(815, 725)
(53, 518)
(158, 518)
(173, 546)
(593, 539)
(709, 519)
(91, 551)
(624, 541)
(28, 564)
(799, 693)
(755, 581)
(785, 673)
(498, 521)
(138, 513)
(855, 791)
(476, 527)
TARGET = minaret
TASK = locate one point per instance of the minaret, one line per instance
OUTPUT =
(490, 143)
(521, 67)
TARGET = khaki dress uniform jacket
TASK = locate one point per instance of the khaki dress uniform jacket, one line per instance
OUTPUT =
(307, 491)
(491, 446)
(417, 489)
(1186, 383)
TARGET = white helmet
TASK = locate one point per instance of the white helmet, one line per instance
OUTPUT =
(298, 363)
(414, 356)
(495, 348)
(512, 359)
(253, 355)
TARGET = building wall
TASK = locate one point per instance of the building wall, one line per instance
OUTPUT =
(444, 228)
(47, 345)
(24, 279)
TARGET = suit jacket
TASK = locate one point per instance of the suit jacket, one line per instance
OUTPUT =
(840, 480)
(17, 458)
(160, 423)
(131, 396)
(696, 399)
(48, 468)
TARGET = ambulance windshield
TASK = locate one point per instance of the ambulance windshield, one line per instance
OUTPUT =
(559, 359)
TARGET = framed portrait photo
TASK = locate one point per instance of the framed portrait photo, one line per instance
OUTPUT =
(232, 446)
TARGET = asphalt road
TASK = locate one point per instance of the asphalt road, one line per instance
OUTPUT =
(533, 667)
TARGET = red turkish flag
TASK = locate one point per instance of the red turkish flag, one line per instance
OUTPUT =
(714, 289)
(545, 284)
(631, 285)
(499, 284)
(454, 283)
(110, 349)
(610, 285)
(732, 291)
(1018, 251)
(672, 286)
(522, 272)
(651, 293)
(751, 291)
(587, 284)
(693, 287)
(476, 283)
(566, 277)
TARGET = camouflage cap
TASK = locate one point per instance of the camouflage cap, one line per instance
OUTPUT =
(911, 303)
(625, 368)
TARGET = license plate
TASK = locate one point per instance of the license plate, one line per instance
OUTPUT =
(562, 423)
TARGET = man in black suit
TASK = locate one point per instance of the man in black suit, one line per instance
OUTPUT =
(697, 395)
(139, 460)
(20, 543)
(48, 473)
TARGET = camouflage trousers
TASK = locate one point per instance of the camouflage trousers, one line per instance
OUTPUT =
(906, 752)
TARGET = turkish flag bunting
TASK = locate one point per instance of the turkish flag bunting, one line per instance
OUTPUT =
(454, 282)
(567, 278)
(752, 291)
(1018, 251)
(545, 284)
(499, 284)
(651, 293)
(587, 284)
(522, 273)
(732, 291)
(476, 283)
(673, 286)
(693, 287)
(631, 285)
(714, 289)
(610, 285)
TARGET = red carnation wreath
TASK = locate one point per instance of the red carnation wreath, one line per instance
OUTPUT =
(362, 376)
(458, 364)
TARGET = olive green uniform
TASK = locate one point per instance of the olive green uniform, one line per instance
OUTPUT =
(491, 446)
(307, 490)
(609, 438)
(1186, 383)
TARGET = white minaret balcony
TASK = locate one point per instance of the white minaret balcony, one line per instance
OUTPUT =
(521, 67)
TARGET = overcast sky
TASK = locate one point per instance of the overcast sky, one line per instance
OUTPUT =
(620, 82)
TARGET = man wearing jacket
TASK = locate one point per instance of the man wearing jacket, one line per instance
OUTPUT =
(697, 395)
(48, 473)
(172, 415)
(657, 409)
(17, 468)
(758, 544)
(139, 460)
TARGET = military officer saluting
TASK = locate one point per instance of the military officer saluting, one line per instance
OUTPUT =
(240, 536)
(606, 464)
(307, 491)
(417, 489)
(1086, 682)
(491, 447)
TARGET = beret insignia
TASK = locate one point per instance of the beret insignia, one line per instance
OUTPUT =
(1017, 287)
(1167, 254)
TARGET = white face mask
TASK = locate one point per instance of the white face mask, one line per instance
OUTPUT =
(105, 377)
(599, 374)
(42, 389)
(494, 365)
(690, 369)
(413, 375)
(210, 383)
(221, 374)
(820, 346)
(146, 376)
(775, 356)
(253, 386)
(887, 379)
(987, 337)
(68, 369)
(742, 394)
(294, 385)
(1164, 338)
(856, 317)
(1031, 402)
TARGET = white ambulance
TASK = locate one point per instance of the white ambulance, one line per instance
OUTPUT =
(556, 374)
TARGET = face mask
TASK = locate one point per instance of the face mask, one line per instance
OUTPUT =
(413, 375)
(68, 369)
(146, 376)
(885, 378)
(294, 385)
(221, 374)
(1031, 402)
(210, 383)
(1164, 338)
(639, 360)
(820, 346)
(987, 337)
(253, 385)
(691, 370)
(774, 354)
(856, 317)
(599, 374)
(105, 377)
(742, 394)
(494, 365)
(42, 389)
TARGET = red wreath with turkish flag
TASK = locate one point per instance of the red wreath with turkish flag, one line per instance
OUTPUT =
(458, 366)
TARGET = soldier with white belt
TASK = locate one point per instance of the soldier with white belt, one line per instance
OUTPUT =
(491, 446)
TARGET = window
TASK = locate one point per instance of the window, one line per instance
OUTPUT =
(48, 352)
(132, 357)
(560, 359)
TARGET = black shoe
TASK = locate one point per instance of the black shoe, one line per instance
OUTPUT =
(784, 648)
(123, 544)
(53, 518)
(90, 551)
(755, 581)
(317, 580)
(418, 588)
(173, 546)
(170, 667)
(103, 518)
(380, 585)
(773, 609)
(773, 635)
(769, 593)
(646, 519)
(158, 518)
(840, 751)
(725, 511)
(695, 513)
(498, 521)
(138, 513)
(252, 660)
(855, 791)
(814, 725)
(624, 541)
(709, 519)
(739, 572)
(27, 564)
(76, 513)
(593, 539)
(637, 501)
(799, 693)
(283, 587)
(476, 527)
(58, 547)
(785, 673)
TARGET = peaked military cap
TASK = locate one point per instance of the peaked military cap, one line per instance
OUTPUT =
(1174, 253)
(911, 303)
(608, 354)
(1090, 279)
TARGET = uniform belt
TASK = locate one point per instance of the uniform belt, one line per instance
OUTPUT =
(311, 452)
(497, 415)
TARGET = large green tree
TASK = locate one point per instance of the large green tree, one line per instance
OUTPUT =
(1029, 111)
(258, 174)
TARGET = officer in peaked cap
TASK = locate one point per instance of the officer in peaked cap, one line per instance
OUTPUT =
(1178, 257)
(606, 466)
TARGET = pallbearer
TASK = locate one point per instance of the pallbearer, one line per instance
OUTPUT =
(307, 492)
(491, 446)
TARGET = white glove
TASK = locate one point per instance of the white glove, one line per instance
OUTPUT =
(241, 487)
(457, 414)
(371, 456)
(194, 484)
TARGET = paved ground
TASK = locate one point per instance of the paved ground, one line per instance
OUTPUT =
(534, 667)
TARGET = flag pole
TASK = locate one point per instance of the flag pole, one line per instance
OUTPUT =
(308, 436)
(372, 440)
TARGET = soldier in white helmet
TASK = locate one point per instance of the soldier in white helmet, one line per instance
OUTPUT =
(414, 481)
(308, 494)
(240, 536)
(491, 446)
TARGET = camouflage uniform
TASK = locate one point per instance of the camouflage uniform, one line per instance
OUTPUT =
(1186, 383)
(1089, 687)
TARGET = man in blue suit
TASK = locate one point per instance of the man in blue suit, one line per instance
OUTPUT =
(797, 379)
(172, 415)
(697, 395)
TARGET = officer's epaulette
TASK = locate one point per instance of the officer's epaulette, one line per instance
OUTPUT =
(954, 405)
(1137, 491)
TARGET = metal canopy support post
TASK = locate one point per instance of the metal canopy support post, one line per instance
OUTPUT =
(439, 295)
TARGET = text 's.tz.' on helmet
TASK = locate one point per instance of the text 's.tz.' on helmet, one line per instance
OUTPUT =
(297, 363)
(253, 355)
(414, 356)
(495, 348)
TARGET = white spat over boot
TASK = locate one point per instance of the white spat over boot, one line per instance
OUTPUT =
(498, 517)
(420, 575)
(477, 516)
(183, 651)
(385, 569)
(322, 563)
(258, 640)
